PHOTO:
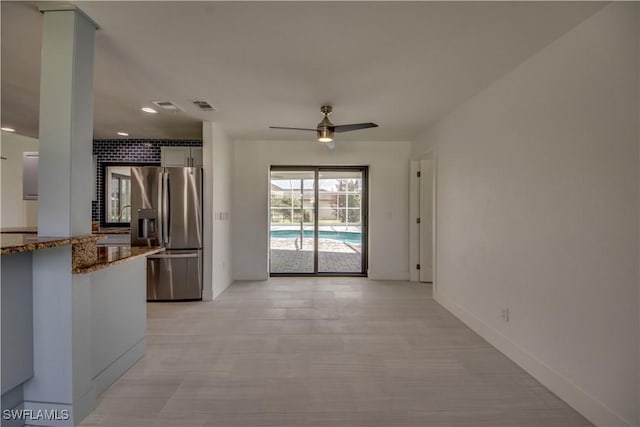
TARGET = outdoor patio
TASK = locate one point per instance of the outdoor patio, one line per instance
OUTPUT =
(333, 256)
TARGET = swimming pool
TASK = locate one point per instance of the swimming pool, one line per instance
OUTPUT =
(342, 236)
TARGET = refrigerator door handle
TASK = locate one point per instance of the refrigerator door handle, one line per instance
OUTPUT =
(165, 208)
(160, 221)
(161, 256)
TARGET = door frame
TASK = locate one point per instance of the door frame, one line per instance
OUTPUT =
(414, 213)
(364, 214)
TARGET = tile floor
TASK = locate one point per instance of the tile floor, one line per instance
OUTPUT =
(325, 352)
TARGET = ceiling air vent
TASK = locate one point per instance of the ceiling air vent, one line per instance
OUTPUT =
(203, 105)
(168, 106)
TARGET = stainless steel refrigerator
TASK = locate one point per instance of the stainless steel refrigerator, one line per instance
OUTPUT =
(166, 210)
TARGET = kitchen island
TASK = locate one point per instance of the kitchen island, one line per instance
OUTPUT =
(47, 365)
(107, 256)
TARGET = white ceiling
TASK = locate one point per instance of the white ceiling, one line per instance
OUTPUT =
(399, 64)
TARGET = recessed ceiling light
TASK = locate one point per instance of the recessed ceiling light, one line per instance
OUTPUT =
(149, 110)
(123, 134)
(8, 129)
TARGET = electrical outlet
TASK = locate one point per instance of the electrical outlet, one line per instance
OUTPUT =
(505, 314)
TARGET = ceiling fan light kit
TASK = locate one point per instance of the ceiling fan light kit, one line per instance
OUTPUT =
(325, 135)
(326, 129)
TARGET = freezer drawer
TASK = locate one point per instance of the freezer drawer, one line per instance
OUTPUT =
(174, 275)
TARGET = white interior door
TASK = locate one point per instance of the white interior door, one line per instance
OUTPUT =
(426, 220)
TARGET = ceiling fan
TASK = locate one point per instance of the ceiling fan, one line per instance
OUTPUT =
(326, 129)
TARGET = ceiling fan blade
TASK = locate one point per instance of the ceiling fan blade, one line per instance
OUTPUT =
(354, 126)
(286, 128)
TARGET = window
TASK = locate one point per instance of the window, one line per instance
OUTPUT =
(116, 204)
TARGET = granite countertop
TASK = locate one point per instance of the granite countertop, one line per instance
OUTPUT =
(111, 255)
(12, 243)
(34, 230)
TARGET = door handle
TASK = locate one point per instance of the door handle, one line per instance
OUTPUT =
(164, 256)
(165, 209)
(161, 230)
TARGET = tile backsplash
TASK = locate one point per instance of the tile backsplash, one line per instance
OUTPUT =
(128, 150)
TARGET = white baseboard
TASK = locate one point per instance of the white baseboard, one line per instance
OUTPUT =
(251, 277)
(591, 408)
(118, 367)
(219, 290)
(388, 275)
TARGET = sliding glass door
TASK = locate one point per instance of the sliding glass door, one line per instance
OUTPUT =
(292, 221)
(340, 221)
(318, 220)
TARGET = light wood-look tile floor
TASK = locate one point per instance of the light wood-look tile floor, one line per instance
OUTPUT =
(325, 352)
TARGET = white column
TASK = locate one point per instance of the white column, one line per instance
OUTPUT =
(62, 301)
(66, 122)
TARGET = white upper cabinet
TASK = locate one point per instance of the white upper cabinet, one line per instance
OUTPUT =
(181, 156)
(175, 156)
(196, 157)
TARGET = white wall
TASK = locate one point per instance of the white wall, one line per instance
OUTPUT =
(15, 212)
(639, 227)
(388, 200)
(218, 199)
(537, 182)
